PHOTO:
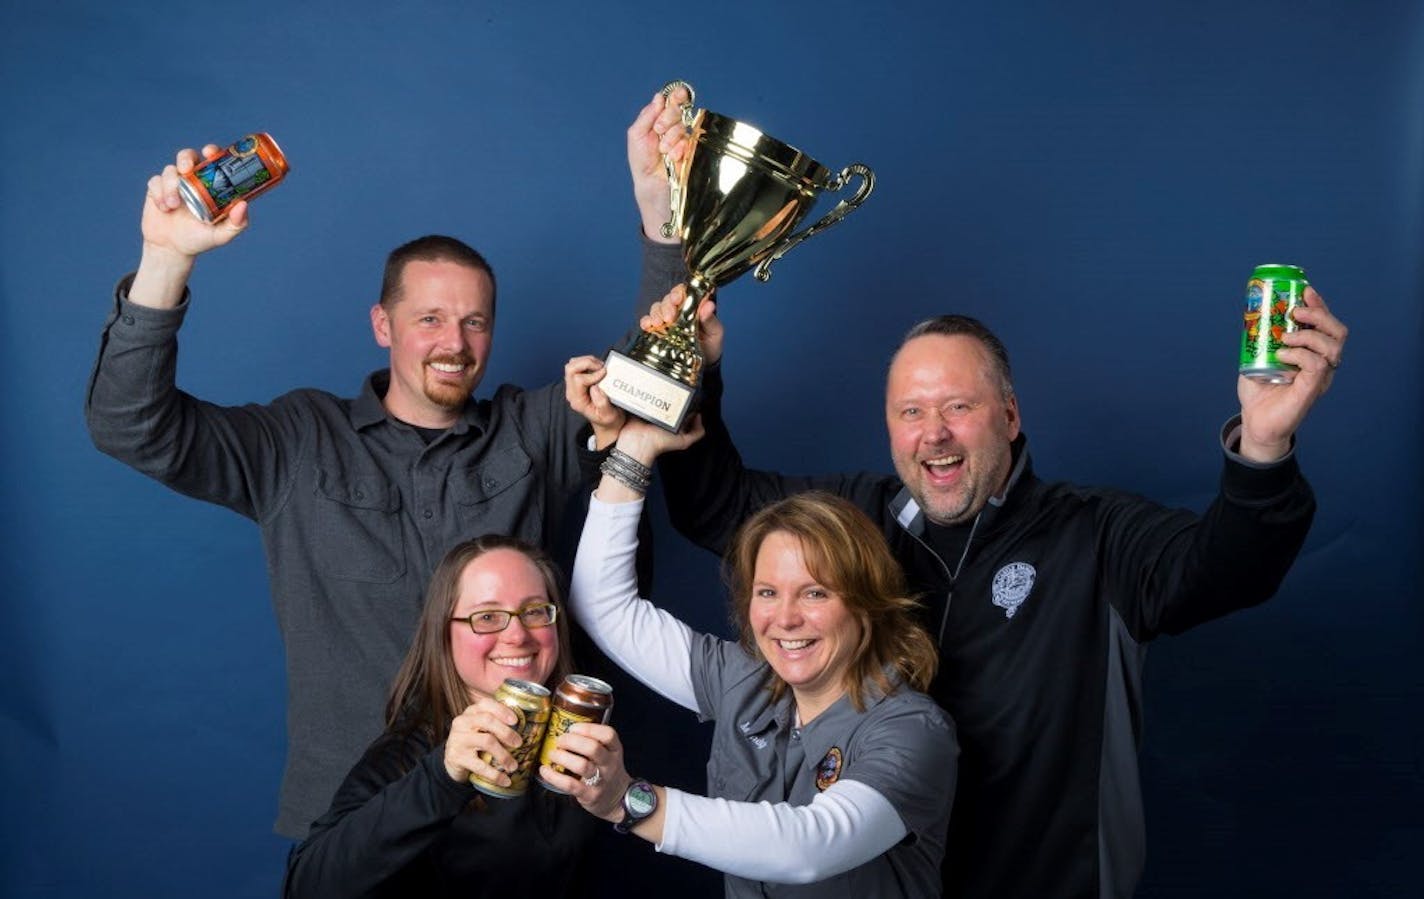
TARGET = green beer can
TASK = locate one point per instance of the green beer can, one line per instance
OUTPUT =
(1272, 295)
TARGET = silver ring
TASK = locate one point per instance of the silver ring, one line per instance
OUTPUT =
(593, 779)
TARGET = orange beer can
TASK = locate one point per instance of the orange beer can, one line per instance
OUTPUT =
(252, 165)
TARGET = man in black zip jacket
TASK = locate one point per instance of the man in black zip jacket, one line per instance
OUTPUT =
(1042, 596)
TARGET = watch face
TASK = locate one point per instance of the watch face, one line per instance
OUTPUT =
(640, 800)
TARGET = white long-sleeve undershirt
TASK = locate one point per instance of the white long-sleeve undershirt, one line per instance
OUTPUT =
(844, 826)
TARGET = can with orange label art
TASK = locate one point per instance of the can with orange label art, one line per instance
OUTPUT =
(530, 702)
(249, 167)
(578, 698)
(1272, 295)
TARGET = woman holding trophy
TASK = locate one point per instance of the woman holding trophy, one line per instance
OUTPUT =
(830, 768)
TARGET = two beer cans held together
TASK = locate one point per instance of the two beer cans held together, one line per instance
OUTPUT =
(543, 718)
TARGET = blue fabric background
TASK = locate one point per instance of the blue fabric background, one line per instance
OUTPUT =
(1094, 180)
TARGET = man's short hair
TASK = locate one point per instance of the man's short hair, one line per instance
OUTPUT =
(431, 248)
(965, 326)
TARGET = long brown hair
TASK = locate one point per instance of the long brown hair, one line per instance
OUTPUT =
(844, 551)
(427, 693)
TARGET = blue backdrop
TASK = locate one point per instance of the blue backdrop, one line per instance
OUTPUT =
(1094, 180)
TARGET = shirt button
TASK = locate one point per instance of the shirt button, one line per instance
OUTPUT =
(128, 319)
(491, 483)
(360, 495)
(429, 514)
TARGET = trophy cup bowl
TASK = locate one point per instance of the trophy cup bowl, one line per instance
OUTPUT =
(738, 195)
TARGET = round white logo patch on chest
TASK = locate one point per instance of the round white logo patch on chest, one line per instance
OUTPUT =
(1011, 586)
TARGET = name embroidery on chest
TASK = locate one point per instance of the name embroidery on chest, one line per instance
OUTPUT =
(828, 769)
(1011, 586)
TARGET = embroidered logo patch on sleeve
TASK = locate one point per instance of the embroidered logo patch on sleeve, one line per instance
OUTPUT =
(828, 769)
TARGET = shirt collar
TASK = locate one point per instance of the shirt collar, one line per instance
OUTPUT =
(780, 714)
(368, 410)
(768, 715)
(831, 727)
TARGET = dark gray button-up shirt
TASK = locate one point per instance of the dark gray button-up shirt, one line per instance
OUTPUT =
(355, 511)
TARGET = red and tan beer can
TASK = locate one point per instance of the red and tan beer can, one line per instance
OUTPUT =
(251, 166)
(578, 698)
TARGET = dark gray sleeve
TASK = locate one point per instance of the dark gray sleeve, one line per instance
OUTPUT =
(717, 664)
(663, 269)
(1167, 570)
(908, 752)
(237, 457)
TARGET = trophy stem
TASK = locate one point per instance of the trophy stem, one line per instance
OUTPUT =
(698, 289)
(675, 350)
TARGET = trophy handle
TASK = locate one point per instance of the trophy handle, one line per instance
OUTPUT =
(671, 226)
(841, 210)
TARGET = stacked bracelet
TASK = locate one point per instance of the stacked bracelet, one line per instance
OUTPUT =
(627, 471)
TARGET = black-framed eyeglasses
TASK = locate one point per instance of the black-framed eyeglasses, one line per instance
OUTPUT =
(492, 621)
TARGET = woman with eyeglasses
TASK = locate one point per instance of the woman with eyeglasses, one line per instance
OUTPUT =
(406, 821)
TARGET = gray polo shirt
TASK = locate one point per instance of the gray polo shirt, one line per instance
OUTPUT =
(902, 745)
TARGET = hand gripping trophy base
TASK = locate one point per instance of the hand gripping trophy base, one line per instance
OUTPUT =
(657, 377)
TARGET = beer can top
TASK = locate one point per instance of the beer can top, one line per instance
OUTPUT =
(1278, 270)
(526, 686)
(195, 205)
(591, 684)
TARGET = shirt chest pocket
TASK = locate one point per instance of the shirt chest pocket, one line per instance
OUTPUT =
(740, 775)
(357, 527)
(499, 490)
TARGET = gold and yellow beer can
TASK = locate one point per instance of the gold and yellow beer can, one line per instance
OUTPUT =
(530, 702)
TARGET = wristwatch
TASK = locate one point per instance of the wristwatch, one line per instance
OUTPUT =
(639, 801)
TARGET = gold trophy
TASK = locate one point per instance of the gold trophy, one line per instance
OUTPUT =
(737, 196)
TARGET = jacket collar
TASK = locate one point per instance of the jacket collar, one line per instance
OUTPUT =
(912, 518)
